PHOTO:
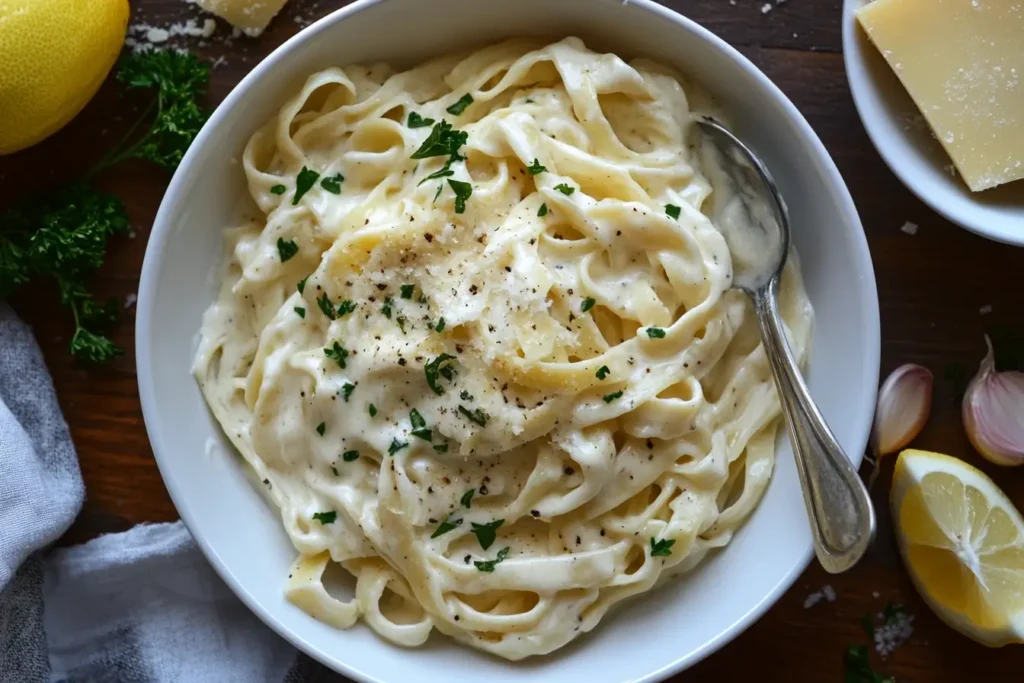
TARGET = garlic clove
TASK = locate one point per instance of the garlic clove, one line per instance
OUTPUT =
(993, 412)
(904, 404)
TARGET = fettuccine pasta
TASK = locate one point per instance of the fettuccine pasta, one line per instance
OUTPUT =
(479, 344)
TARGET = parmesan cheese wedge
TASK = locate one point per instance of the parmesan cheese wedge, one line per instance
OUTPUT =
(249, 16)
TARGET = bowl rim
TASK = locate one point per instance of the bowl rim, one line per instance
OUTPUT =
(161, 233)
(860, 83)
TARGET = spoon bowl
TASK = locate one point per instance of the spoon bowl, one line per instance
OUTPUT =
(747, 208)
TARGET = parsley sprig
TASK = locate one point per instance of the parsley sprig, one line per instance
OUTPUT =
(62, 234)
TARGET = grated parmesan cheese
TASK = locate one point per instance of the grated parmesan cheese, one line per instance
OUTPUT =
(248, 16)
(896, 630)
(909, 228)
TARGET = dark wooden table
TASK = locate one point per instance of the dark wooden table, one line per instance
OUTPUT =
(933, 287)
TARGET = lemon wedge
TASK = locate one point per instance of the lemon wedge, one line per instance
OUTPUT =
(963, 543)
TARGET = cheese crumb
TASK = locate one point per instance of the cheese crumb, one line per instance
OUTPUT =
(986, 309)
(827, 592)
(894, 632)
(766, 8)
(909, 228)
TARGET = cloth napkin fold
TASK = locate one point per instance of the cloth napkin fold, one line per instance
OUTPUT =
(137, 607)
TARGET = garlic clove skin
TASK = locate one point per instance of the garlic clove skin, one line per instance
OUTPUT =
(993, 413)
(904, 404)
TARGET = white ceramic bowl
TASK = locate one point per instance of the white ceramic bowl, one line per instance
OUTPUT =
(653, 636)
(904, 139)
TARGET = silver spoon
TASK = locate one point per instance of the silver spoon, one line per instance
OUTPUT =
(751, 214)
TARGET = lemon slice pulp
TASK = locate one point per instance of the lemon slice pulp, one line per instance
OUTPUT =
(963, 542)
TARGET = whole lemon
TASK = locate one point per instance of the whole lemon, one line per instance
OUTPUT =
(54, 54)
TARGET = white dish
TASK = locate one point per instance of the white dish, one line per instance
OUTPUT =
(905, 141)
(664, 631)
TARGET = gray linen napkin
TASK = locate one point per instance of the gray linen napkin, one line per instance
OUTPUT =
(138, 607)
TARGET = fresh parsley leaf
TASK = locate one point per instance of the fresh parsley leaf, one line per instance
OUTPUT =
(443, 141)
(463, 191)
(400, 321)
(535, 168)
(439, 327)
(334, 470)
(407, 291)
(416, 419)
(467, 498)
(438, 193)
(386, 308)
(426, 434)
(466, 396)
(346, 307)
(868, 622)
(417, 121)
(446, 526)
(301, 311)
(333, 184)
(587, 304)
(396, 446)
(892, 611)
(304, 182)
(858, 667)
(487, 533)
(278, 189)
(349, 456)
(321, 428)
(445, 172)
(662, 548)
(461, 105)
(608, 398)
(337, 353)
(477, 416)
(433, 368)
(373, 410)
(326, 517)
(655, 333)
(346, 391)
(489, 565)
(673, 211)
(286, 249)
(301, 286)
(565, 189)
(543, 211)
(603, 372)
(324, 302)
(441, 448)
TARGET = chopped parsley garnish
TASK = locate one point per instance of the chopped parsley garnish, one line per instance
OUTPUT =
(443, 141)
(333, 184)
(445, 526)
(438, 193)
(326, 517)
(655, 333)
(346, 307)
(417, 121)
(337, 353)
(461, 105)
(334, 470)
(373, 410)
(349, 456)
(477, 416)
(324, 302)
(662, 548)
(301, 284)
(587, 304)
(439, 327)
(416, 419)
(673, 211)
(463, 191)
(535, 168)
(543, 211)
(386, 308)
(467, 498)
(611, 397)
(286, 249)
(603, 372)
(487, 533)
(422, 299)
(445, 172)
(396, 446)
(347, 390)
(304, 183)
(278, 189)
(433, 368)
(466, 396)
(420, 429)
(321, 428)
(407, 291)
(489, 565)
(565, 189)
(858, 667)
(426, 434)
(441, 448)
(401, 320)
(301, 311)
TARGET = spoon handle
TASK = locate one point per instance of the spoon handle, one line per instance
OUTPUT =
(842, 518)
